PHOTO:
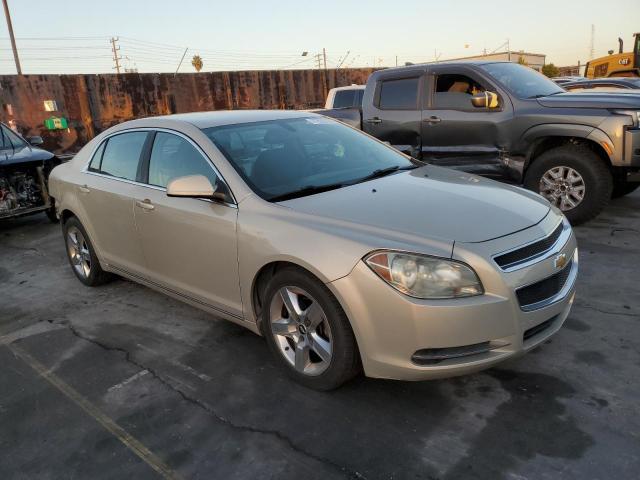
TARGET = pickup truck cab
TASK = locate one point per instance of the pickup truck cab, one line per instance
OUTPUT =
(345, 97)
(511, 123)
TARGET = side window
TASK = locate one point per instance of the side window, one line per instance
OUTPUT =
(172, 157)
(343, 99)
(359, 95)
(399, 94)
(122, 155)
(454, 92)
(94, 165)
(10, 139)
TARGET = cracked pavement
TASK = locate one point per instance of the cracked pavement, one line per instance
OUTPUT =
(204, 398)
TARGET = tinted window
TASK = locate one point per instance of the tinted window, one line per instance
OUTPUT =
(399, 94)
(10, 139)
(343, 99)
(359, 95)
(172, 157)
(94, 166)
(122, 154)
(523, 81)
(454, 91)
(278, 157)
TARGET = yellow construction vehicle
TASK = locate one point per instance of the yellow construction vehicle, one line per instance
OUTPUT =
(617, 65)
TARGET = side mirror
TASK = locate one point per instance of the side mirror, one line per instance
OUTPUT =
(485, 100)
(35, 140)
(194, 186)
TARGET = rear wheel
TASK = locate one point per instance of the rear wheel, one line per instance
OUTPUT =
(620, 189)
(308, 332)
(574, 179)
(82, 256)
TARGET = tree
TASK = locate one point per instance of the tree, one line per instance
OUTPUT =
(550, 70)
(196, 61)
(522, 61)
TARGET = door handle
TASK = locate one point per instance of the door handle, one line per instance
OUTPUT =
(432, 119)
(84, 189)
(145, 204)
(374, 120)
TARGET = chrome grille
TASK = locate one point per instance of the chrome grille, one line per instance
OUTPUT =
(544, 289)
(521, 255)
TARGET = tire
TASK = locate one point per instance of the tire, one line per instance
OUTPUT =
(594, 175)
(84, 263)
(310, 330)
(620, 189)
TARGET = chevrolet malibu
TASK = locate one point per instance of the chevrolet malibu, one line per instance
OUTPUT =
(345, 254)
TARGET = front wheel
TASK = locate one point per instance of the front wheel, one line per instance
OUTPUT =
(574, 179)
(308, 332)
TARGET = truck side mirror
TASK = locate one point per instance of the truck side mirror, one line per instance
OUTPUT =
(485, 100)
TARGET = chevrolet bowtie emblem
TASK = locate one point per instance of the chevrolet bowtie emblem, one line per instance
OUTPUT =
(560, 260)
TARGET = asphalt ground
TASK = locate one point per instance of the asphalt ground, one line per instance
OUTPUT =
(122, 382)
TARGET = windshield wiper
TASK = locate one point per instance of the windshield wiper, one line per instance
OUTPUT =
(304, 191)
(383, 172)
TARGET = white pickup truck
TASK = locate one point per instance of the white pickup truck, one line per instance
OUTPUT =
(345, 97)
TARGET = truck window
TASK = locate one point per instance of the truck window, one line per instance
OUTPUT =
(343, 99)
(401, 94)
(359, 95)
(454, 92)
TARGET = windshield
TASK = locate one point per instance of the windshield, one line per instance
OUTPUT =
(306, 155)
(523, 82)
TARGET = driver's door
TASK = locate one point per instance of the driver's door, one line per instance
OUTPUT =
(189, 244)
(455, 133)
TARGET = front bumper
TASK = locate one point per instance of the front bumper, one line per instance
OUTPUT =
(397, 334)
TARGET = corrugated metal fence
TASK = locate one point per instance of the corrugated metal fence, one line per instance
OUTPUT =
(92, 103)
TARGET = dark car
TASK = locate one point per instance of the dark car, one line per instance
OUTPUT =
(509, 122)
(611, 84)
(24, 173)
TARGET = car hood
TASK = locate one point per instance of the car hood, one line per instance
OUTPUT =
(590, 100)
(24, 155)
(431, 202)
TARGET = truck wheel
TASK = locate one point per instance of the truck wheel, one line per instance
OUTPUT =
(308, 332)
(620, 189)
(574, 179)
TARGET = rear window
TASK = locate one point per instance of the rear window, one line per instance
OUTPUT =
(343, 99)
(122, 154)
(401, 94)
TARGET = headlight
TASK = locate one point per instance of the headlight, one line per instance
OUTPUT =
(425, 277)
(634, 114)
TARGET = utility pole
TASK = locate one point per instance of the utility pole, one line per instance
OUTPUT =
(185, 52)
(324, 55)
(592, 49)
(13, 40)
(396, 60)
(115, 50)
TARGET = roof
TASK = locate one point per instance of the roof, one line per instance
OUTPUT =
(227, 117)
(421, 66)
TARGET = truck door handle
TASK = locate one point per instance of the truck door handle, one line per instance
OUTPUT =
(373, 120)
(432, 119)
(145, 204)
(84, 189)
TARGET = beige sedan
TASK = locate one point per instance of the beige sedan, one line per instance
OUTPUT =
(345, 254)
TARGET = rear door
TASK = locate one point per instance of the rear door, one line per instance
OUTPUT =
(454, 132)
(106, 195)
(395, 114)
(189, 244)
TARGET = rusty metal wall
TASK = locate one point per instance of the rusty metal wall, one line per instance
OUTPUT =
(92, 103)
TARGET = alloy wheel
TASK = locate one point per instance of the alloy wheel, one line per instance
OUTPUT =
(564, 187)
(301, 330)
(78, 251)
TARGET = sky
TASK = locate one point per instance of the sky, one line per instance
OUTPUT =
(72, 36)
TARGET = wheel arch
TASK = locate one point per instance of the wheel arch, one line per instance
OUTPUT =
(543, 144)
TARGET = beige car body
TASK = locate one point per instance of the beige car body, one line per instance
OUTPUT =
(209, 254)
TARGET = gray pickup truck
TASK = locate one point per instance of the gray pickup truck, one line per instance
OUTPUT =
(509, 122)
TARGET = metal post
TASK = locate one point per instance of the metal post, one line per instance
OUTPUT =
(13, 40)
